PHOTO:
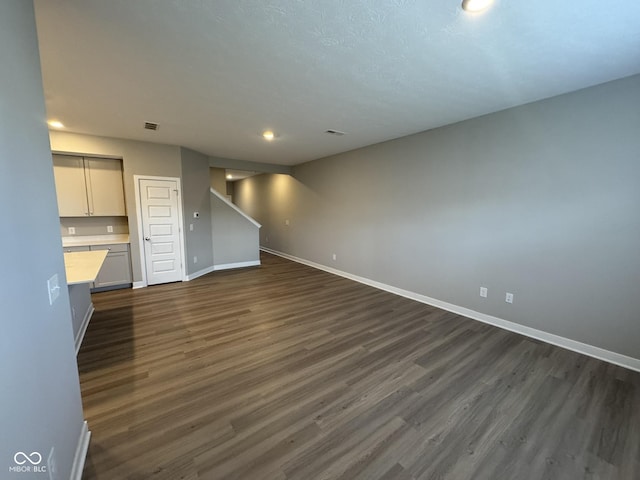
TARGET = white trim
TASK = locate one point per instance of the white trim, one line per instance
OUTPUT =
(183, 240)
(199, 273)
(222, 266)
(81, 452)
(235, 207)
(229, 266)
(573, 345)
(83, 327)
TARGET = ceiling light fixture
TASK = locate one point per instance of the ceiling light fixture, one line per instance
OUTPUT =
(229, 177)
(56, 124)
(476, 6)
(268, 135)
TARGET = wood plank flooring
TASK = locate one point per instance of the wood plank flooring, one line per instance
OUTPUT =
(286, 372)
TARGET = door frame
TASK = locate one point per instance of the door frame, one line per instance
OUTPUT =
(143, 261)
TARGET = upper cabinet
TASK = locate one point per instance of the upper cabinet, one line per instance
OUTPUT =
(89, 186)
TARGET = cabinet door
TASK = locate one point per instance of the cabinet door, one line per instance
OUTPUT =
(104, 187)
(116, 269)
(70, 186)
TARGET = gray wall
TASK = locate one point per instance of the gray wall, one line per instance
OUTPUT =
(235, 239)
(40, 400)
(138, 158)
(195, 198)
(541, 200)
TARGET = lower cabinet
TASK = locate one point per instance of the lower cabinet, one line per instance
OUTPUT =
(116, 269)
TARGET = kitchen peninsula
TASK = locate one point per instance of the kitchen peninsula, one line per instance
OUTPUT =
(82, 269)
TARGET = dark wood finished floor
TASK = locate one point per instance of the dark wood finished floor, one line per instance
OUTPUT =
(286, 372)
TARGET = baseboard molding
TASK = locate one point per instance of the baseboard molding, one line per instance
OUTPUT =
(563, 342)
(81, 452)
(199, 273)
(83, 327)
(139, 284)
(229, 266)
(223, 266)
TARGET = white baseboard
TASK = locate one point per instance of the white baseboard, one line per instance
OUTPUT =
(199, 273)
(83, 327)
(139, 284)
(228, 266)
(81, 452)
(573, 345)
(223, 266)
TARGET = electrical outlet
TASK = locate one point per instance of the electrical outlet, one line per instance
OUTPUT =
(72, 230)
(109, 228)
(483, 292)
(286, 222)
(195, 259)
(334, 256)
(191, 227)
(508, 297)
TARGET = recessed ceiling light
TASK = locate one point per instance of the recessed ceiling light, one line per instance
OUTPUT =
(476, 6)
(268, 135)
(56, 124)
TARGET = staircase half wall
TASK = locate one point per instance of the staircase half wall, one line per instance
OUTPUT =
(236, 240)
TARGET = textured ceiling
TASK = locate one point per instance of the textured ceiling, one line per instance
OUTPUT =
(216, 73)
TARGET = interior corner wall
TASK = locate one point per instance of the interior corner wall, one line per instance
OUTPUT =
(138, 158)
(195, 198)
(235, 240)
(41, 404)
(540, 200)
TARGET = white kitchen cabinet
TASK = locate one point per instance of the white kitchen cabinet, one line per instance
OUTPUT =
(88, 186)
(116, 269)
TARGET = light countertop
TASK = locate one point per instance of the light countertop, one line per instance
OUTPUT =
(88, 240)
(83, 267)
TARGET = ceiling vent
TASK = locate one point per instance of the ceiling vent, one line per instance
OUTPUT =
(150, 126)
(337, 133)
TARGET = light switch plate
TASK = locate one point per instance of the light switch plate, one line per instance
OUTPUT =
(109, 229)
(54, 288)
(72, 230)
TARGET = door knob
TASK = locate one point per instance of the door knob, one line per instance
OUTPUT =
(147, 238)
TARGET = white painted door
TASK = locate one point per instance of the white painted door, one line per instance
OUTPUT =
(161, 230)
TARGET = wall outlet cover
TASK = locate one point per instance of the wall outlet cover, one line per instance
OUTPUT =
(72, 230)
(109, 229)
(483, 292)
